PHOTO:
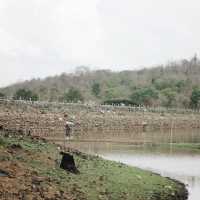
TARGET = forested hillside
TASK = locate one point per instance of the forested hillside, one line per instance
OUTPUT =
(174, 85)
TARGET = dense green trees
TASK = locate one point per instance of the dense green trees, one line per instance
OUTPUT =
(2, 95)
(176, 85)
(23, 94)
(144, 96)
(170, 97)
(96, 89)
(170, 85)
(73, 95)
(195, 98)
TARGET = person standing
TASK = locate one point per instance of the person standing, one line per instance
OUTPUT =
(67, 129)
(68, 125)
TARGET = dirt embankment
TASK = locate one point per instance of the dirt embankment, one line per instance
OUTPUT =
(21, 181)
(49, 122)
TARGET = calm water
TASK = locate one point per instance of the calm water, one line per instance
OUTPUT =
(183, 165)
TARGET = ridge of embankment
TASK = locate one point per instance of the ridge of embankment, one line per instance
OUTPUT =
(44, 120)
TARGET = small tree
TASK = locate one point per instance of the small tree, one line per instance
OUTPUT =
(96, 89)
(73, 95)
(25, 95)
(195, 98)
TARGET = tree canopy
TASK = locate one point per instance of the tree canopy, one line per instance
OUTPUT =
(73, 95)
(96, 89)
(2, 95)
(23, 94)
(195, 98)
(170, 85)
(144, 96)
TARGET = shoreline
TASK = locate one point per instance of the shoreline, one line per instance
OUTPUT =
(32, 163)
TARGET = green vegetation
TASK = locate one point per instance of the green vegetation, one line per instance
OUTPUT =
(144, 96)
(195, 98)
(170, 97)
(2, 95)
(173, 85)
(189, 146)
(96, 89)
(174, 147)
(73, 95)
(98, 178)
(23, 94)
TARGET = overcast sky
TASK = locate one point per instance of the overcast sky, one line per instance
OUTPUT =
(47, 37)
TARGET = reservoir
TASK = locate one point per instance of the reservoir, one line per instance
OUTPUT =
(150, 151)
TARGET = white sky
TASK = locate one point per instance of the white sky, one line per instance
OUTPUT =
(47, 37)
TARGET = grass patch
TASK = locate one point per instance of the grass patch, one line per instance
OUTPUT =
(193, 147)
(187, 145)
(3, 142)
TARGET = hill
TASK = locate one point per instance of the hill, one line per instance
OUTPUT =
(172, 85)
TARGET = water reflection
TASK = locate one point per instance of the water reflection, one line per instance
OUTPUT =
(159, 136)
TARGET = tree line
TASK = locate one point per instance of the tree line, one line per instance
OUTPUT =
(177, 84)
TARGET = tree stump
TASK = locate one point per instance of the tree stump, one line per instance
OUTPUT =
(68, 163)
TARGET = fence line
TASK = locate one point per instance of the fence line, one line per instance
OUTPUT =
(97, 108)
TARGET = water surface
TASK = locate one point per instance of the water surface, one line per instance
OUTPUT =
(178, 163)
